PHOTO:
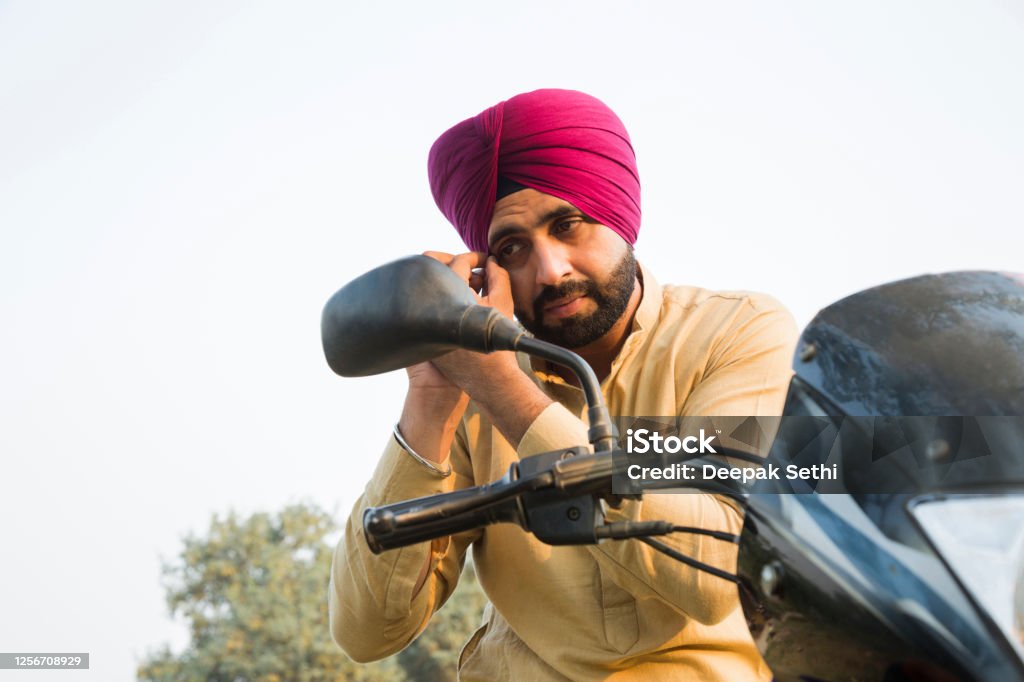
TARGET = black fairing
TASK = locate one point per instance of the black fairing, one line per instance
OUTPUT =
(844, 585)
(949, 344)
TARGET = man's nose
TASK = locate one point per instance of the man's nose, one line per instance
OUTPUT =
(553, 263)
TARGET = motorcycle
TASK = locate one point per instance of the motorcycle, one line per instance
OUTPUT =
(906, 564)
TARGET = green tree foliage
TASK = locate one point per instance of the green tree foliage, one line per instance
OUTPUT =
(254, 594)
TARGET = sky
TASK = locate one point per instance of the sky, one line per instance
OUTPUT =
(183, 185)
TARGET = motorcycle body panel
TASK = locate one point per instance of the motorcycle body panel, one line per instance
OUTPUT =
(916, 390)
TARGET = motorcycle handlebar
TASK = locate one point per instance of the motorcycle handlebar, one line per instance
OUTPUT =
(555, 475)
(427, 518)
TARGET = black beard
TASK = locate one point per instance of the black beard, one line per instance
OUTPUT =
(578, 330)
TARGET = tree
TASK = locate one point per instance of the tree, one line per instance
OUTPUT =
(254, 594)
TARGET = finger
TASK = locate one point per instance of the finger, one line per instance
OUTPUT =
(441, 256)
(497, 277)
(463, 264)
(499, 287)
(476, 280)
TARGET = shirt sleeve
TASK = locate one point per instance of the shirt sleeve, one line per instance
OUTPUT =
(555, 427)
(747, 374)
(637, 568)
(750, 366)
(374, 608)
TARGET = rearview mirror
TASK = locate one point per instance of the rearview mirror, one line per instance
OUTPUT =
(407, 311)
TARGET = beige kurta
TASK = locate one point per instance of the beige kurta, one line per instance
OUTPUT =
(615, 611)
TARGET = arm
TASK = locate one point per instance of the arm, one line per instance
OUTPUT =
(747, 375)
(639, 569)
(380, 603)
(506, 395)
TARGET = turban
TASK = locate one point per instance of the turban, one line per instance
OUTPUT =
(560, 142)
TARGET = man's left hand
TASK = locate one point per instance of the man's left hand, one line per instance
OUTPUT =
(493, 380)
(475, 373)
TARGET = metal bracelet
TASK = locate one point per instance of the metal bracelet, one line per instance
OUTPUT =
(443, 473)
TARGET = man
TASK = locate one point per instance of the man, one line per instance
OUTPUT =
(543, 189)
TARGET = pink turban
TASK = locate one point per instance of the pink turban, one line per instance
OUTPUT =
(559, 142)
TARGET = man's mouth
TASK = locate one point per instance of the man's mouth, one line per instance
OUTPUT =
(564, 307)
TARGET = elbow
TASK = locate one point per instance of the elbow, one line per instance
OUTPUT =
(364, 640)
(358, 642)
(357, 651)
(342, 636)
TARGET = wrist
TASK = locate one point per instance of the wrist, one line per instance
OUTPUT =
(411, 451)
(498, 387)
(428, 422)
(436, 404)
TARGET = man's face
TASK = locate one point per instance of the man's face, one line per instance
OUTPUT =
(571, 277)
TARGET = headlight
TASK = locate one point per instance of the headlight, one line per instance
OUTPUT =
(981, 537)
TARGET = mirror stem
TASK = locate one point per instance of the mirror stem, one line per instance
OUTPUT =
(602, 432)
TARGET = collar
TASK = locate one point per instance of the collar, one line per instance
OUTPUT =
(649, 310)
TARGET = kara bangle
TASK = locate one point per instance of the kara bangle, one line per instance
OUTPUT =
(443, 473)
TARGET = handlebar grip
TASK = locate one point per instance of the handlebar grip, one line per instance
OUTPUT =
(426, 518)
(380, 538)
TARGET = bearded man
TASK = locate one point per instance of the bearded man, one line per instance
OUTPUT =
(543, 189)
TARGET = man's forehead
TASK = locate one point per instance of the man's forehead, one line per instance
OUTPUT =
(524, 210)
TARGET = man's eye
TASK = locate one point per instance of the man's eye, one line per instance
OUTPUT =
(566, 225)
(509, 249)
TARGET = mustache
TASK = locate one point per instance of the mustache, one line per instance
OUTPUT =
(550, 294)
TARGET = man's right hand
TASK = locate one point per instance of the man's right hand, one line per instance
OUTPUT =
(433, 404)
(439, 390)
(432, 410)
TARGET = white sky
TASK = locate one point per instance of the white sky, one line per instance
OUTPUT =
(183, 185)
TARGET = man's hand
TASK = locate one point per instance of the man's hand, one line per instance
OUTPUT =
(466, 371)
(439, 389)
(495, 381)
(475, 372)
(488, 280)
(434, 404)
(493, 281)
